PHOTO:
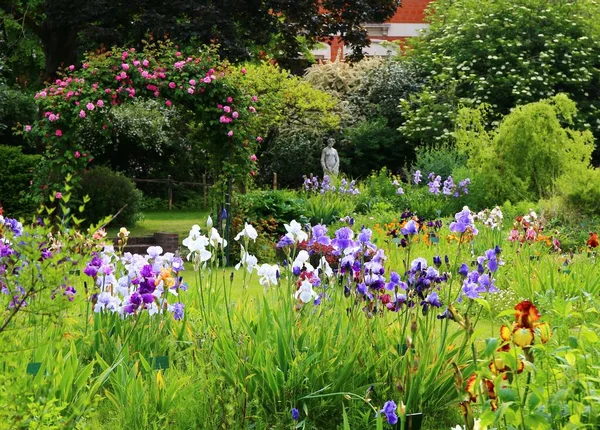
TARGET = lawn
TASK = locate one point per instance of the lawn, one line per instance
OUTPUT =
(165, 221)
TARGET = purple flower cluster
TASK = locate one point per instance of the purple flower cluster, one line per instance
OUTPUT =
(448, 187)
(133, 283)
(480, 280)
(11, 225)
(325, 186)
(434, 183)
(360, 266)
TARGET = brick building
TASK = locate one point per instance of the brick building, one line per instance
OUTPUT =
(408, 21)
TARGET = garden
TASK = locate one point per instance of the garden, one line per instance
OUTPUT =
(443, 275)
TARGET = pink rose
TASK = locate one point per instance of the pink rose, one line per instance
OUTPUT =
(243, 71)
(206, 80)
(172, 85)
(136, 63)
(100, 103)
(230, 133)
(252, 109)
(254, 98)
(27, 128)
(58, 195)
(125, 66)
(253, 173)
(77, 153)
(81, 113)
(145, 63)
(253, 157)
(259, 139)
(59, 132)
(192, 82)
(226, 109)
(235, 115)
(90, 106)
(190, 90)
(85, 65)
(168, 103)
(71, 67)
(178, 54)
(229, 99)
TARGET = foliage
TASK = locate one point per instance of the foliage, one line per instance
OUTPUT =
(148, 139)
(294, 151)
(109, 192)
(369, 146)
(328, 208)
(442, 159)
(284, 98)
(382, 88)
(16, 108)
(241, 29)
(292, 120)
(340, 78)
(281, 205)
(528, 153)
(15, 180)
(84, 99)
(504, 55)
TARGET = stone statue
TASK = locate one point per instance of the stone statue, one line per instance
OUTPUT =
(329, 159)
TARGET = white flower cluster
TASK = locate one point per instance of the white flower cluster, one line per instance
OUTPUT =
(491, 218)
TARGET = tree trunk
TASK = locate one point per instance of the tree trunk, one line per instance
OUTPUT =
(60, 48)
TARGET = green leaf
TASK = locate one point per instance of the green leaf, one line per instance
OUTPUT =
(507, 394)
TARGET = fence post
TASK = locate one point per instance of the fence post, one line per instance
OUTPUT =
(204, 190)
(170, 186)
(274, 180)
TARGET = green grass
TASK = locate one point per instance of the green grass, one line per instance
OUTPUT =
(165, 221)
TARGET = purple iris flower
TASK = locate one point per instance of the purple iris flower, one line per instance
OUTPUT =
(464, 220)
(177, 264)
(432, 299)
(364, 236)
(448, 186)
(178, 311)
(463, 270)
(492, 264)
(437, 261)
(146, 271)
(295, 414)
(285, 241)
(130, 308)
(319, 235)
(343, 238)
(389, 410)
(90, 270)
(147, 298)
(417, 177)
(409, 228)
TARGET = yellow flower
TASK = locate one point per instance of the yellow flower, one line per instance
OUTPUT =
(523, 337)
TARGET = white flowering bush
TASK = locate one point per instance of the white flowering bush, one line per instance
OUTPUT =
(505, 56)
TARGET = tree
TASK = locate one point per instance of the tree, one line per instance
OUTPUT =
(529, 154)
(240, 28)
(505, 54)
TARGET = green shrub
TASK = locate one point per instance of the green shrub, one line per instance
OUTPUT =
(442, 159)
(281, 205)
(15, 177)
(328, 208)
(371, 146)
(16, 107)
(530, 152)
(110, 192)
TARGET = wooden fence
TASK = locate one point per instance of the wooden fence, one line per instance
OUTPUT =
(171, 183)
